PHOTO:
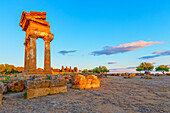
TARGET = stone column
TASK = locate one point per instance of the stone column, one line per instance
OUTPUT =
(32, 54)
(47, 60)
(25, 63)
(28, 54)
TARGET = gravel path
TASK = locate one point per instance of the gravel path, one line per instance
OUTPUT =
(117, 95)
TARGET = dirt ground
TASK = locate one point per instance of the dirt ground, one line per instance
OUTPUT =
(117, 95)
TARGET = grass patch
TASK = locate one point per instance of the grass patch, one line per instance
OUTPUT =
(10, 92)
(48, 78)
(49, 93)
(6, 79)
(25, 95)
(52, 94)
(24, 78)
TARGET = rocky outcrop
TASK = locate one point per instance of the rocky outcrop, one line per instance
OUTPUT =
(82, 82)
(37, 86)
(1, 92)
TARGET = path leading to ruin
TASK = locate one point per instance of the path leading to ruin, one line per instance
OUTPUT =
(115, 95)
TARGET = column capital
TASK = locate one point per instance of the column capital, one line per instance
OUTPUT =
(49, 37)
(32, 34)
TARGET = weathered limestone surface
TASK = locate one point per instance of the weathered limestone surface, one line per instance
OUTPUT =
(82, 82)
(37, 86)
(68, 78)
(5, 89)
(15, 84)
(1, 92)
(31, 93)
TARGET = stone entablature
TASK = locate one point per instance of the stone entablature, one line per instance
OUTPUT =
(36, 86)
(36, 26)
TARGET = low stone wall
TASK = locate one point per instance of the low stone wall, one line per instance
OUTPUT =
(1, 92)
(37, 86)
(82, 82)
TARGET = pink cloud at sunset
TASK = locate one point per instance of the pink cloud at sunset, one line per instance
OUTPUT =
(162, 52)
(109, 50)
(158, 54)
(111, 62)
(152, 62)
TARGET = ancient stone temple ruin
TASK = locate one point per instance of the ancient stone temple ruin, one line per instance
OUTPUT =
(36, 26)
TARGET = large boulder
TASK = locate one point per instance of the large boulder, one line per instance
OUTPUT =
(1, 92)
(82, 82)
(15, 84)
(146, 76)
(94, 82)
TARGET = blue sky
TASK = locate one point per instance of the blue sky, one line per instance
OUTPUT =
(83, 27)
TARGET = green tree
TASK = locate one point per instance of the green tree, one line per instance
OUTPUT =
(104, 69)
(90, 70)
(85, 71)
(162, 68)
(7, 69)
(100, 69)
(96, 70)
(145, 66)
(139, 69)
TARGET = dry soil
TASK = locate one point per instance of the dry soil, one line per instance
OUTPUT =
(117, 95)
